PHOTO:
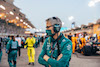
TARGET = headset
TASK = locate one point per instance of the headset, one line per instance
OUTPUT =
(56, 27)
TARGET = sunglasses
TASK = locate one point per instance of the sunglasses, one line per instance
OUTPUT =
(49, 26)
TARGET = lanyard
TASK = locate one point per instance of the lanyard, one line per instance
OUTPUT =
(56, 44)
(52, 49)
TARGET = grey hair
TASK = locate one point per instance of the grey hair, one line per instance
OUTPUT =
(54, 20)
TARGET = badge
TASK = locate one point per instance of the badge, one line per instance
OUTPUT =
(48, 46)
(49, 51)
(63, 40)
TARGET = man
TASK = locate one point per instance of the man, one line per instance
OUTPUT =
(57, 50)
(19, 43)
(30, 41)
(37, 43)
(99, 38)
(11, 50)
(66, 36)
(82, 42)
(69, 36)
(42, 39)
(86, 37)
(74, 42)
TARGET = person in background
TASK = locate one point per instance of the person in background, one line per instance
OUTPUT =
(99, 37)
(74, 42)
(30, 41)
(70, 36)
(19, 43)
(22, 41)
(66, 36)
(82, 42)
(86, 37)
(42, 39)
(11, 50)
(37, 41)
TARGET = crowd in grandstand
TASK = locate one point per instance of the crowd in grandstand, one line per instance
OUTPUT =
(10, 28)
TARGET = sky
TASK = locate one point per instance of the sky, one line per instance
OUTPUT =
(37, 11)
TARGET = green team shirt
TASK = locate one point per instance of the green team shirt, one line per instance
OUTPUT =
(65, 47)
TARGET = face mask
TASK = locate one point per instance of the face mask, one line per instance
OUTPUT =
(49, 33)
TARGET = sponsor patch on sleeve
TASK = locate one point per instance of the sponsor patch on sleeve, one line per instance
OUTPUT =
(68, 47)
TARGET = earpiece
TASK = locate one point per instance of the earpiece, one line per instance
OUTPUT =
(56, 28)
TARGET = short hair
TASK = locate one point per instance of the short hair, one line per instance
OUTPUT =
(54, 20)
(9, 36)
(17, 36)
(31, 34)
(12, 37)
(75, 35)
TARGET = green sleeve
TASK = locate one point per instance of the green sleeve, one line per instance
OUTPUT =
(8, 45)
(66, 51)
(43, 52)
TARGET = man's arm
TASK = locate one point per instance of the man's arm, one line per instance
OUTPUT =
(66, 55)
(43, 52)
(26, 43)
(8, 46)
(34, 40)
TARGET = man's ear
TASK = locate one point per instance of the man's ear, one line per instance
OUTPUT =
(52, 30)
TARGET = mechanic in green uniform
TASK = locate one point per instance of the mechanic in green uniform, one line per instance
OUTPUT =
(57, 49)
(37, 43)
(11, 49)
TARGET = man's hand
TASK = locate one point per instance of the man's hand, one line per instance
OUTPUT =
(59, 57)
(49, 66)
(46, 57)
(24, 47)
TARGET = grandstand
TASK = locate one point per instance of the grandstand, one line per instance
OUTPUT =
(90, 28)
(12, 21)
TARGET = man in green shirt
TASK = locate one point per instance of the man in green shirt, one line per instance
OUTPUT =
(11, 50)
(57, 50)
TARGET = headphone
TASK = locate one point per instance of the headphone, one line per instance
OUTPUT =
(56, 28)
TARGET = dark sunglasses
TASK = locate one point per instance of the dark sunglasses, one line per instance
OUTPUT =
(49, 26)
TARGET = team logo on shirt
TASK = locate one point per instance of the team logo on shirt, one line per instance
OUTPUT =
(63, 40)
(68, 47)
(48, 46)
(48, 43)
